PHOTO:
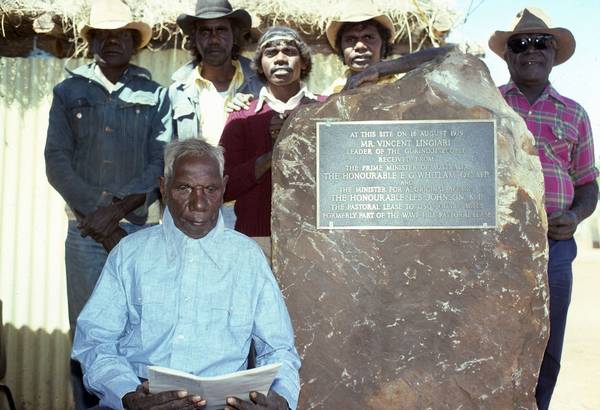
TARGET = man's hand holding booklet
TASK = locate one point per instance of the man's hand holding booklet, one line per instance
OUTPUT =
(216, 389)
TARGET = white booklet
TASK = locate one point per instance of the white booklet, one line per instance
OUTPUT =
(214, 389)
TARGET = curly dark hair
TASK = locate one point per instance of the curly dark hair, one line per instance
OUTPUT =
(279, 34)
(384, 33)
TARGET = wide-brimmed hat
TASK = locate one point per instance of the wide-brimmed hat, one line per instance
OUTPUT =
(114, 15)
(359, 12)
(533, 20)
(215, 9)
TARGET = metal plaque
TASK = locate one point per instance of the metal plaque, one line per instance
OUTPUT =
(406, 174)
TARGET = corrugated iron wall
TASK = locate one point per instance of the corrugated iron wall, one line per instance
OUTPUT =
(33, 224)
(32, 229)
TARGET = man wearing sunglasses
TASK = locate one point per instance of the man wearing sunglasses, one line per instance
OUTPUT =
(563, 137)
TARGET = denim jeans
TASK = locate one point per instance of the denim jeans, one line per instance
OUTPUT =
(84, 260)
(560, 281)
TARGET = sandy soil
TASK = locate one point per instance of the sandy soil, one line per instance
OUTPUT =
(578, 385)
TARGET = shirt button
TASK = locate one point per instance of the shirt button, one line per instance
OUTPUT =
(180, 337)
(530, 112)
(79, 115)
(107, 129)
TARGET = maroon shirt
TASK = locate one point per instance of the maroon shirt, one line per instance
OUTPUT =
(245, 138)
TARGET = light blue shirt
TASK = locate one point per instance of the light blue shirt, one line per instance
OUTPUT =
(166, 299)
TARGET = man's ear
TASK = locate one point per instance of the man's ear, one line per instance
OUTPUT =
(162, 187)
(225, 179)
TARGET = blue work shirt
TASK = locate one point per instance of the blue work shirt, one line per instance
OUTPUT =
(184, 96)
(166, 299)
(102, 145)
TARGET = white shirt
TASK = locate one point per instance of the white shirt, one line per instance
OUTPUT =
(279, 106)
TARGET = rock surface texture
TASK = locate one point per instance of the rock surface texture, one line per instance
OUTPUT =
(415, 319)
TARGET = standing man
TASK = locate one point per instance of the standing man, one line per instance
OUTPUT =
(106, 133)
(283, 59)
(564, 141)
(189, 294)
(362, 38)
(203, 87)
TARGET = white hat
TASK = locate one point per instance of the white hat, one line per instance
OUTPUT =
(114, 15)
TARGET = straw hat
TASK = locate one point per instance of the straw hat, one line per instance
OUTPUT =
(114, 15)
(356, 13)
(533, 20)
(215, 9)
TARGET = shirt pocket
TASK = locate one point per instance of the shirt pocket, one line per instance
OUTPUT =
(136, 128)
(561, 147)
(153, 313)
(83, 117)
(233, 327)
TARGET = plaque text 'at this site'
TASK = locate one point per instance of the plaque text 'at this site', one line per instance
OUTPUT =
(406, 174)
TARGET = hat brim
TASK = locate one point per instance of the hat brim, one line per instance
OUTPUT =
(565, 42)
(241, 18)
(142, 28)
(333, 27)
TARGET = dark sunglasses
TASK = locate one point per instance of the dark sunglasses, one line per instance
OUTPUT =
(538, 41)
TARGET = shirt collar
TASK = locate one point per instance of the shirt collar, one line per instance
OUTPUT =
(102, 79)
(178, 242)
(88, 71)
(554, 94)
(265, 96)
(549, 91)
(236, 81)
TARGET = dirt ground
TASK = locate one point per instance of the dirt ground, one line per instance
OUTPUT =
(578, 386)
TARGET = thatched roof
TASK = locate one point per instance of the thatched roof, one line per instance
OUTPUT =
(419, 23)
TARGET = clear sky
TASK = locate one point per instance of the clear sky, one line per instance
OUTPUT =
(578, 78)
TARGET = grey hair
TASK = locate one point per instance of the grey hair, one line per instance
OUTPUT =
(192, 146)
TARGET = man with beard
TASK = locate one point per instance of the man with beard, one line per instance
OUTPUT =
(203, 87)
(563, 137)
(283, 59)
(362, 39)
(107, 128)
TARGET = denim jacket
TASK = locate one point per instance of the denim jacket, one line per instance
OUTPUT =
(102, 145)
(183, 95)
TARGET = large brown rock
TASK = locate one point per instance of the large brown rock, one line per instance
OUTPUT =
(415, 319)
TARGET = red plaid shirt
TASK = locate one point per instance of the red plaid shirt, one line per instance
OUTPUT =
(563, 137)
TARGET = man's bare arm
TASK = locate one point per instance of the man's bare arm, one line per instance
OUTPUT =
(562, 225)
(398, 65)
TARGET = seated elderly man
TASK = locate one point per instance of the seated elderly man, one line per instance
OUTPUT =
(362, 38)
(189, 294)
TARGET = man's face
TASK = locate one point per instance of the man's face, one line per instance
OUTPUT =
(112, 48)
(361, 46)
(194, 194)
(214, 41)
(282, 64)
(534, 60)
